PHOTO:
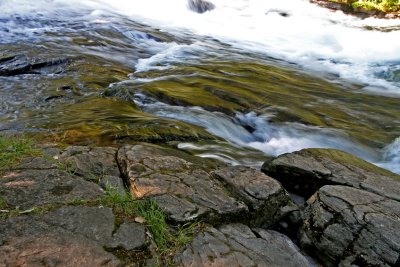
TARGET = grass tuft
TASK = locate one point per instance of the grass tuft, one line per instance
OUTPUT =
(167, 239)
(13, 149)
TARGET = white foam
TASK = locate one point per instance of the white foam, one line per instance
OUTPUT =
(391, 156)
(309, 35)
(271, 139)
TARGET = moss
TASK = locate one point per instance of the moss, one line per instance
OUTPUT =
(348, 159)
(107, 121)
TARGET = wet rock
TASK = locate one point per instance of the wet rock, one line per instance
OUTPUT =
(238, 245)
(91, 163)
(263, 195)
(200, 6)
(21, 64)
(69, 236)
(30, 188)
(305, 171)
(352, 227)
(184, 192)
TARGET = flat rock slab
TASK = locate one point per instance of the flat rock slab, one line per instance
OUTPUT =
(69, 236)
(30, 188)
(237, 245)
(305, 171)
(91, 163)
(186, 191)
(352, 227)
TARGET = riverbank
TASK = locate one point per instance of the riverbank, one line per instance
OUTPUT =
(69, 204)
(363, 9)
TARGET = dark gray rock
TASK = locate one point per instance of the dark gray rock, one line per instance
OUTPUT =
(21, 64)
(263, 195)
(352, 227)
(200, 6)
(237, 245)
(36, 163)
(70, 236)
(180, 188)
(305, 171)
(129, 236)
(30, 188)
(92, 163)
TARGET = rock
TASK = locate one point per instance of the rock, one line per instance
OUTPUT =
(305, 171)
(237, 245)
(21, 64)
(36, 163)
(91, 163)
(113, 182)
(200, 6)
(351, 227)
(263, 195)
(182, 190)
(30, 188)
(68, 236)
(129, 236)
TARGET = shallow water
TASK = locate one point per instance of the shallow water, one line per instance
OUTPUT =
(239, 83)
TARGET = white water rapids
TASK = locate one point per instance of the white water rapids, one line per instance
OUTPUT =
(317, 39)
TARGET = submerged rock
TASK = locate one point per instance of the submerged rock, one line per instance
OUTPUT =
(345, 226)
(305, 171)
(238, 245)
(200, 6)
(183, 187)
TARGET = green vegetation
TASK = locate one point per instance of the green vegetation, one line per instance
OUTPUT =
(13, 149)
(383, 5)
(166, 238)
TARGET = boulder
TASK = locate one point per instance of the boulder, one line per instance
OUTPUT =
(346, 226)
(238, 245)
(68, 236)
(200, 6)
(183, 187)
(305, 171)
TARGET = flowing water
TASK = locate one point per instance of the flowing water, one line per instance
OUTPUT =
(247, 80)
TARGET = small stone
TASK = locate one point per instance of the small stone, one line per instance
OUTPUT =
(140, 220)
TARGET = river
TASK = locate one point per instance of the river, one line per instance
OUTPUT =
(247, 80)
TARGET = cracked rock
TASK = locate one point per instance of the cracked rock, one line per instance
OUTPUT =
(237, 245)
(305, 171)
(91, 163)
(262, 194)
(351, 227)
(29, 188)
(185, 191)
